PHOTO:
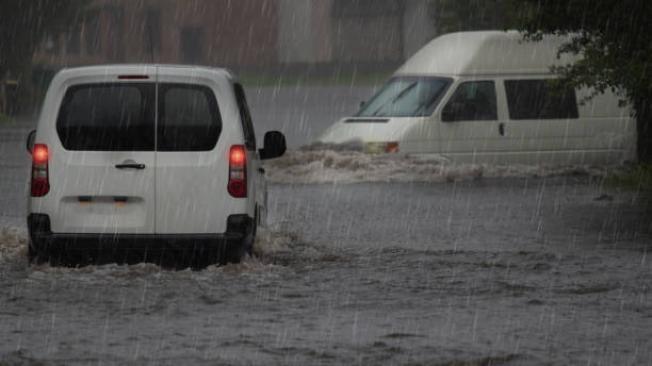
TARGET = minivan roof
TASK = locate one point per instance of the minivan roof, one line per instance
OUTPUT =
(140, 68)
(486, 53)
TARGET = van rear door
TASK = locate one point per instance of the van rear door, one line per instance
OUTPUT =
(102, 172)
(192, 158)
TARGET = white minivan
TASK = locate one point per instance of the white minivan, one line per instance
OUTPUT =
(487, 97)
(146, 158)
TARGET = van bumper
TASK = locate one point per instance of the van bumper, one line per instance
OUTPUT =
(223, 247)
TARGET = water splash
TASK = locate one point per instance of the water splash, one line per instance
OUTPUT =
(336, 164)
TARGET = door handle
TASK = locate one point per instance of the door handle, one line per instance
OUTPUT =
(501, 129)
(261, 170)
(130, 165)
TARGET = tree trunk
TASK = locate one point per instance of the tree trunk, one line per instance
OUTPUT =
(644, 129)
(3, 95)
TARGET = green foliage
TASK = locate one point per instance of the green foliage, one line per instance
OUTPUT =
(614, 38)
(638, 178)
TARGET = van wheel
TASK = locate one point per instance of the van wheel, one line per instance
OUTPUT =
(55, 258)
(60, 258)
(37, 255)
(236, 252)
(31, 252)
(250, 239)
(33, 256)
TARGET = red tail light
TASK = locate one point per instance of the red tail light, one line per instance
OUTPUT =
(237, 186)
(40, 178)
(391, 147)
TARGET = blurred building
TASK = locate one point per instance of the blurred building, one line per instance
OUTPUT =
(243, 34)
(353, 31)
(190, 31)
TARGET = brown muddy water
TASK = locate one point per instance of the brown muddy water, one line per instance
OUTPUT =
(477, 273)
(367, 261)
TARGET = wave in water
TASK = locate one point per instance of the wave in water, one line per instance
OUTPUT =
(348, 164)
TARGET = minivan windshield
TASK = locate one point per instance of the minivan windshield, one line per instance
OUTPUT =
(406, 96)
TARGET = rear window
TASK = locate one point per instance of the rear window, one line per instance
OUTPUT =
(189, 119)
(536, 99)
(121, 117)
(107, 117)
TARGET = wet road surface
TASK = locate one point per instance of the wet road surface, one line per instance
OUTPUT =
(484, 271)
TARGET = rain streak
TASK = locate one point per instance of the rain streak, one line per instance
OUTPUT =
(325, 182)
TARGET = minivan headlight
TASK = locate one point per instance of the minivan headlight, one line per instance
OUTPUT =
(381, 147)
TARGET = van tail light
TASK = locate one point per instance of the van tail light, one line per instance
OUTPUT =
(40, 179)
(133, 77)
(237, 186)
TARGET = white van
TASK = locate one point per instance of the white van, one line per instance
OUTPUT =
(149, 158)
(486, 97)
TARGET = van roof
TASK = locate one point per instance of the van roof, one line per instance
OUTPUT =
(140, 68)
(486, 53)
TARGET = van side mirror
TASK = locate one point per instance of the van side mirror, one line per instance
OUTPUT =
(274, 146)
(30, 141)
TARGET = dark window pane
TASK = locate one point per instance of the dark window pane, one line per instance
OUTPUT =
(536, 99)
(245, 117)
(107, 117)
(472, 101)
(189, 118)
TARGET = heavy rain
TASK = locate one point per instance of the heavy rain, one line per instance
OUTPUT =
(446, 182)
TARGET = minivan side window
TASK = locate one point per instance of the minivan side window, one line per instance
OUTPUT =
(536, 99)
(245, 117)
(472, 101)
(107, 117)
(189, 118)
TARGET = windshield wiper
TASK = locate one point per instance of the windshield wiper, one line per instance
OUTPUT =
(423, 107)
(397, 98)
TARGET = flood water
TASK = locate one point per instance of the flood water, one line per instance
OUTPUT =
(450, 267)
